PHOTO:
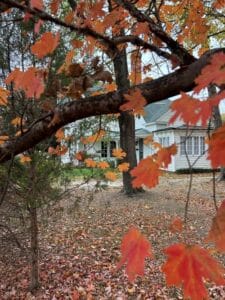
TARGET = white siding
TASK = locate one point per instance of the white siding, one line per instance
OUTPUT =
(181, 160)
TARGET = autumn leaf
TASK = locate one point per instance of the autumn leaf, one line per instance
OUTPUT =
(216, 151)
(134, 249)
(110, 175)
(79, 155)
(59, 135)
(90, 163)
(164, 155)
(4, 94)
(217, 231)
(93, 138)
(17, 121)
(135, 102)
(212, 73)
(176, 225)
(45, 45)
(30, 81)
(38, 4)
(59, 150)
(188, 266)
(118, 153)
(148, 140)
(54, 6)
(124, 167)
(3, 138)
(103, 165)
(24, 158)
(147, 172)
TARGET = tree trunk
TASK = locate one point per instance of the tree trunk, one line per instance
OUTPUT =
(34, 247)
(217, 120)
(126, 121)
(34, 284)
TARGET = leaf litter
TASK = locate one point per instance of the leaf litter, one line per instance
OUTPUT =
(80, 244)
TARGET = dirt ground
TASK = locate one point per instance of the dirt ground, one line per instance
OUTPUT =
(80, 242)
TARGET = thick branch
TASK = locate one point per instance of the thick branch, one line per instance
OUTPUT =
(155, 90)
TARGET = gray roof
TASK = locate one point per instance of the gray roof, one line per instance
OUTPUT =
(141, 132)
(156, 110)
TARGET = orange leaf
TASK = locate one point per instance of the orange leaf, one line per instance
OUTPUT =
(212, 73)
(59, 135)
(187, 266)
(164, 155)
(17, 121)
(217, 148)
(134, 249)
(24, 158)
(176, 225)
(93, 138)
(90, 163)
(3, 96)
(79, 155)
(217, 231)
(59, 150)
(135, 102)
(148, 140)
(118, 153)
(110, 176)
(147, 172)
(38, 4)
(124, 167)
(29, 81)
(3, 138)
(45, 45)
(54, 6)
(103, 165)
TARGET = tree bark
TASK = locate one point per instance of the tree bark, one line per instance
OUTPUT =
(126, 121)
(34, 247)
(34, 284)
(217, 120)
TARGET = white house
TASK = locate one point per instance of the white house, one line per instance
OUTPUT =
(190, 141)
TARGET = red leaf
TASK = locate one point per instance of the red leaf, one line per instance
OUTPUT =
(134, 248)
(187, 266)
(217, 231)
(45, 45)
(54, 6)
(176, 225)
(217, 148)
(147, 172)
(164, 155)
(212, 73)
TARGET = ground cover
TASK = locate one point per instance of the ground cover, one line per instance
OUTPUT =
(80, 242)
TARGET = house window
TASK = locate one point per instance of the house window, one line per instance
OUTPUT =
(164, 141)
(189, 146)
(104, 149)
(112, 146)
(194, 145)
(182, 145)
(202, 145)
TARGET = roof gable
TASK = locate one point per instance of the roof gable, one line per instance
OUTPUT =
(154, 111)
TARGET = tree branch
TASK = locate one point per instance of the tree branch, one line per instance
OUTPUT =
(155, 90)
(173, 45)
